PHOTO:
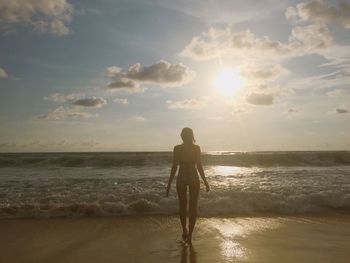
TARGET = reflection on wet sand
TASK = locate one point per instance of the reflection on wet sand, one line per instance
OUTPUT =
(188, 251)
(231, 233)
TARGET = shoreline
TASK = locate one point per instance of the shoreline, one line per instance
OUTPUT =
(323, 214)
(158, 239)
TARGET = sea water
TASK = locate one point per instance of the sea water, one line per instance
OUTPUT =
(116, 184)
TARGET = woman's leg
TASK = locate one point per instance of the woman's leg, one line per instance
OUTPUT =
(194, 192)
(182, 194)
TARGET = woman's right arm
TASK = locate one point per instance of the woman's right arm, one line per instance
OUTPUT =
(173, 170)
(200, 169)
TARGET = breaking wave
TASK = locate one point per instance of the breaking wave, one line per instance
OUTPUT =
(50, 185)
(233, 203)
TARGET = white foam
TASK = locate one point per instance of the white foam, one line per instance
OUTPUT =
(80, 192)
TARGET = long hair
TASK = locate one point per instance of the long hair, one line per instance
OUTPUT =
(187, 136)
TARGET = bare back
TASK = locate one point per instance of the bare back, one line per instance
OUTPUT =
(187, 153)
(187, 156)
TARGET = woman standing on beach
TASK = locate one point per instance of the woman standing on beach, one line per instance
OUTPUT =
(187, 156)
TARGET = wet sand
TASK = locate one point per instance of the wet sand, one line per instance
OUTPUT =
(158, 239)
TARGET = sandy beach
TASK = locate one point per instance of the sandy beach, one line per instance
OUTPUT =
(157, 239)
(118, 118)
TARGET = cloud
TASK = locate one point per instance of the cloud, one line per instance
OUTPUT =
(261, 99)
(58, 97)
(8, 144)
(200, 49)
(66, 113)
(267, 73)
(268, 88)
(161, 73)
(121, 84)
(3, 73)
(291, 111)
(121, 101)
(88, 144)
(341, 110)
(96, 102)
(337, 93)
(310, 37)
(216, 118)
(320, 12)
(340, 74)
(283, 91)
(240, 110)
(259, 90)
(186, 104)
(218, 42)
(338, 79)
(139, 118)
(45, 145)
(42, 15)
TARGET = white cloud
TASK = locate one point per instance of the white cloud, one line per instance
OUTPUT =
(335, 79)
(341, 110)
(309, 38)
(58, 97)
(265, 73)
(241, 109)
(268, 88)
(66, 113)
(161, 73)
(337, 93)
(261, 99)
(3, 73)
(121, 101)
(217, 42)
(96, 102)
(340, 74)
(139, 118)
(42, 15)
(291, 13)
(186, 104)
(259, 89)
(201, 49)
(320, 12)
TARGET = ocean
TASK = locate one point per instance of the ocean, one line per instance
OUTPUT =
(55, 185)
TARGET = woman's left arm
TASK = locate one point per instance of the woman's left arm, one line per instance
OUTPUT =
(201, 170)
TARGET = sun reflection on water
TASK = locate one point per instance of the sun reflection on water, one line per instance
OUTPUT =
(232, 177)
(226, 170)
(233, 231)
(232, 249)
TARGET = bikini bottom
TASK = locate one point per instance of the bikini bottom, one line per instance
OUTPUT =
(186, 179)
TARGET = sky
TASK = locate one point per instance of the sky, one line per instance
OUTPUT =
(129, 75)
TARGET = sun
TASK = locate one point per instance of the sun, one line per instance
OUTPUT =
(228, 81)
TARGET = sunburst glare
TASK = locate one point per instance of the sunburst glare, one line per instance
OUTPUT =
(229, 81)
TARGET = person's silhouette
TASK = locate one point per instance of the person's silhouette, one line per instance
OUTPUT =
(188, 156)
